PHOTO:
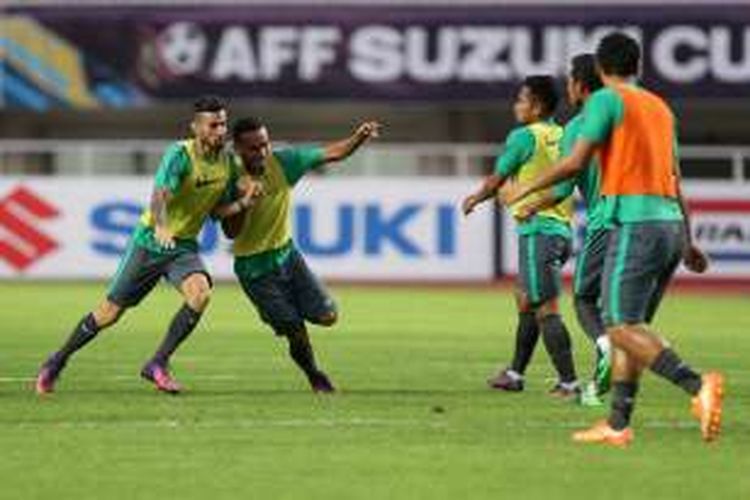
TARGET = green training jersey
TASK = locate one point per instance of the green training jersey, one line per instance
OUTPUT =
(603, 113)
(265, 239)
(197, 185)
(588, 180)
(528, 151)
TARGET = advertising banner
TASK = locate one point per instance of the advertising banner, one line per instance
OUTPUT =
(349, 229)
(123, 56)
(720, 214)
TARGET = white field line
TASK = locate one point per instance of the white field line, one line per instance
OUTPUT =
(135, 376)
(735, 372)
(254, 423)
(245, 423)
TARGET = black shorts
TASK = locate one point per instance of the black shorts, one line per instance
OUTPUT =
(590, 265)
(540, 261)
(288, 296)
(140, 270)
(641, 259)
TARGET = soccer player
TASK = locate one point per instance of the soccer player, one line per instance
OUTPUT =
(195, 178)
(271, 270)
(582, 81)
(544, 240)
(633, 130)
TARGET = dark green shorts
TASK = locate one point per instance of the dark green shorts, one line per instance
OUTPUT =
(540, 261)
(590, 265)
(140, 270)
(641, 259)
(288, 296)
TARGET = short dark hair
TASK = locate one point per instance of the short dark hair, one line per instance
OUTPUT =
(583, 70)
(209, 104)
(544, 90)
(618, 54)
(247, 124)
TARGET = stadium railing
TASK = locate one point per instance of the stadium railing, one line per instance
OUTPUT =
(725, 163)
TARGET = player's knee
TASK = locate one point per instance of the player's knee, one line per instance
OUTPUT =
(522, 302)
(197, 290)
(547, 308)
(328, 319)
(198, 300)
(618, 335)
(107, 314)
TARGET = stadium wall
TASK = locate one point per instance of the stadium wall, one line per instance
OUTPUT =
(351, 229)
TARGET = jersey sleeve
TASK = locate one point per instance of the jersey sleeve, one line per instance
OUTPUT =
(602, 111)
(296, 162)
(564, 189)
(519, 147)
(174, 166)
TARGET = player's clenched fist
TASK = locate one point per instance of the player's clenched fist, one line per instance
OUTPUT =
(368, 130)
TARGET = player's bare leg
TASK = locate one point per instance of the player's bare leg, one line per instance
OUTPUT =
(104, 316)
(642, 347)
(196, 290)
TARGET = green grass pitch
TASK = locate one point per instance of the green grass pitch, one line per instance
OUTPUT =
(413, 418)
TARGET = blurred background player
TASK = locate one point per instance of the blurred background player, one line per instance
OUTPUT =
(271, 270)
(195, 178)
(634, 131)
(544, 240)
(582, 81)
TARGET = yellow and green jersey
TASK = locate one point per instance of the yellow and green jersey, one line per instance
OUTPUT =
(265, 239)
(197, 185)
(529, 150)
(588, 180)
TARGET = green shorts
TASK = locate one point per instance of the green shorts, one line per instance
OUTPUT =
(641, 259)
(140, 270)
(540, 261)
(587, 281)
(287, 296)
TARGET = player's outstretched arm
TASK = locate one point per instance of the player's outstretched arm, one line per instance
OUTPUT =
(487, 190)
(563, 169)
(337, 151)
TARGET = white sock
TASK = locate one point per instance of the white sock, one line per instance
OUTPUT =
(604, 344)
(569, 386)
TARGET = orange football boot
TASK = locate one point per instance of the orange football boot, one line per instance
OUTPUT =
(602, 433)
(706, 405)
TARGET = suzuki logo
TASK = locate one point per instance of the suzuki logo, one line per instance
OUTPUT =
(21, 244)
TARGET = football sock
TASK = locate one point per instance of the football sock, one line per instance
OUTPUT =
(603, 345)
(669, 365)
(557, 342)
(527, 335)
(84, 332)
(623, 402)
(589, 317)
(183, 323)
(301, 352)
